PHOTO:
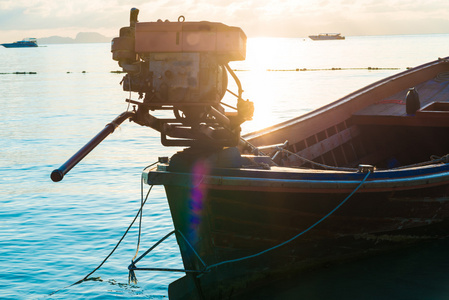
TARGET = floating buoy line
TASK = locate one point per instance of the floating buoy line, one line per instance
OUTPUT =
(244, 70)
(311, 69)
(325, 69)
(19, 73)
(33, 73)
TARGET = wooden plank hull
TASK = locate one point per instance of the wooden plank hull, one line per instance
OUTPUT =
(343, 132)
(232, 214)
(229, 212)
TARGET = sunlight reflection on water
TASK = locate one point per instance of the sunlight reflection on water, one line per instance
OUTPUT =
(53, 234)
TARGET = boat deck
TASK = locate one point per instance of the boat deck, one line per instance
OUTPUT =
(434, 111)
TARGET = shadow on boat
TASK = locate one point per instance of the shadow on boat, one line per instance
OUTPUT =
(418, 272)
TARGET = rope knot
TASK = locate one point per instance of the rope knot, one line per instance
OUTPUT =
(132, 276)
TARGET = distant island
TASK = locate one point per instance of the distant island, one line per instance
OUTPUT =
(82, 37)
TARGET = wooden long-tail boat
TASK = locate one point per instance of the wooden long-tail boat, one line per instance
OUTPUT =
(231, 206)
(366, 173)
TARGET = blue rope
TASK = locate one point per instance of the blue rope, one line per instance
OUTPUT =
(113, 250)
(296, 236)
(133, 267)
(191, 247)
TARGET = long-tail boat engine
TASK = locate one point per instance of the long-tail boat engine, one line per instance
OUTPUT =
(180, 67)
(183, 67)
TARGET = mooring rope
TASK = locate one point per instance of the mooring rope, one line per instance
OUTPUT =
(315, 163)
(132, 267)
(296, 236)
(141, 209)
(132, 276)
(121, 239)
(434, 159)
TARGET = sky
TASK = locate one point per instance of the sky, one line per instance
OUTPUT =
(279, 18)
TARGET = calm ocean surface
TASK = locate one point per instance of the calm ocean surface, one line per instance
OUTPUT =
(53, 234)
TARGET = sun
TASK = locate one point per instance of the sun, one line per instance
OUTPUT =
(257, 81)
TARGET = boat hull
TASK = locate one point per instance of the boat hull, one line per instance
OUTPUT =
(233, 214)
(249, 225)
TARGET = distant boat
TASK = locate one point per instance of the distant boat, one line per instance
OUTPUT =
(327, 36)
(25, 43)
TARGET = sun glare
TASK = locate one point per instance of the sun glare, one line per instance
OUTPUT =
(256, 81)
(268, 68)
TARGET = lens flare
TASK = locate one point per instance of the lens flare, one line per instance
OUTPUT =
(197, 197)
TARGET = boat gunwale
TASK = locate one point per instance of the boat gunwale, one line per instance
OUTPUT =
(330, 181)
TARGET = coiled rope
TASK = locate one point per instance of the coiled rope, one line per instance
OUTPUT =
(442, 77)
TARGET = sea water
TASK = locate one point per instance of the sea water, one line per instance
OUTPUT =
(54, 234)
